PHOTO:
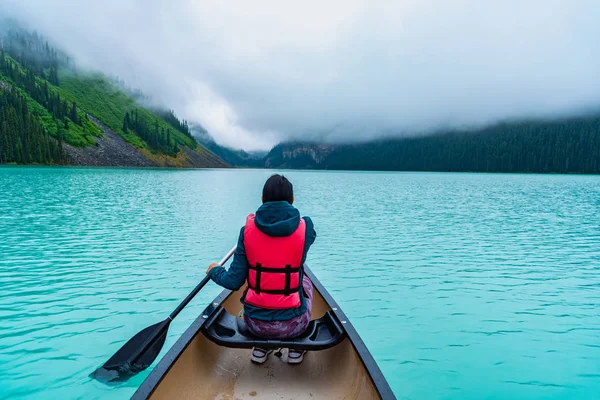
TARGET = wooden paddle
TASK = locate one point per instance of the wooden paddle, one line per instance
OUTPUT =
(141, 350)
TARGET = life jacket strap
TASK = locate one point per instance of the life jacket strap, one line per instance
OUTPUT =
(258, 269)
(288, 270)
(288, 279)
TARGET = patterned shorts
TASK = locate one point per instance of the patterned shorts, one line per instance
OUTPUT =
(284, 329)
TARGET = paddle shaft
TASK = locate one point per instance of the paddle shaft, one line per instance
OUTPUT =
(199, 287)
(146, 344)
(180, 307)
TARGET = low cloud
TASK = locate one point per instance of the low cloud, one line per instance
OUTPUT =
(255, 73)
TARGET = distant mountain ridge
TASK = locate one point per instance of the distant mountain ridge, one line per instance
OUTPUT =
(570, 145)
(239, 158)
(299, 155)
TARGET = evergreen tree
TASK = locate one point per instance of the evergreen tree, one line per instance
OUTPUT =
(126, 123)
(171, 118)
(73, 114)
(23, 140)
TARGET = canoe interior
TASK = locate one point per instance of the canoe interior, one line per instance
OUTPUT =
(208, 371)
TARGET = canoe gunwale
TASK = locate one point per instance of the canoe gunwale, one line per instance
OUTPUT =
(162, 368)
(155, 377)
(379, 381)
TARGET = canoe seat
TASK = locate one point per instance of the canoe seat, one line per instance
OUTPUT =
(227, 330)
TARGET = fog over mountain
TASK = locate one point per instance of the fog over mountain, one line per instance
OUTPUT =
(256, 73)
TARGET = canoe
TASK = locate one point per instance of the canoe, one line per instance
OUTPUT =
(211, 360)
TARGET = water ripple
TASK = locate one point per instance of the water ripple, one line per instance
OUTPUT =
(463, 286)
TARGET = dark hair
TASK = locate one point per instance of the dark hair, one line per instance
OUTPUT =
(278, 188)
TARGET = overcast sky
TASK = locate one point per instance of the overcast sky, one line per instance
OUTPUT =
(257, 72)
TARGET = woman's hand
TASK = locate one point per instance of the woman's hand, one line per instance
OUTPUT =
(211, 266)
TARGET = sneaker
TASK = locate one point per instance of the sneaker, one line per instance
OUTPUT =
(259, 356)
(295, 357)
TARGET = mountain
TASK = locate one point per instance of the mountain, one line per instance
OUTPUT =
(52, 113)
(569, 145)
(238, 158)
(299, 155)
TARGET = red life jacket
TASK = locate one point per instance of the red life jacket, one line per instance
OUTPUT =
(275, 263)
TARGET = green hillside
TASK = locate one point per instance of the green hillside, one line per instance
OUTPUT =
(59, 99)
(110, 105)
(44, 101)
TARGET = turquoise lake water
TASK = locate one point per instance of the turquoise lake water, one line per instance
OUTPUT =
(463, 286)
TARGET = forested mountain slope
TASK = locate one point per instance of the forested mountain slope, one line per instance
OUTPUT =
(562, 146)
(52, 113)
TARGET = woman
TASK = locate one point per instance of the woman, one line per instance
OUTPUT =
(271, 251)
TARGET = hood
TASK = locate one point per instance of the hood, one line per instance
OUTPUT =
(277, 218)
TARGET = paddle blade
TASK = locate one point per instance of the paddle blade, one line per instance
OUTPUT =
(135, 356)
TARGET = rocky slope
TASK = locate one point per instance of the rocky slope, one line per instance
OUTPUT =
(298, 155)
(111, 150)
